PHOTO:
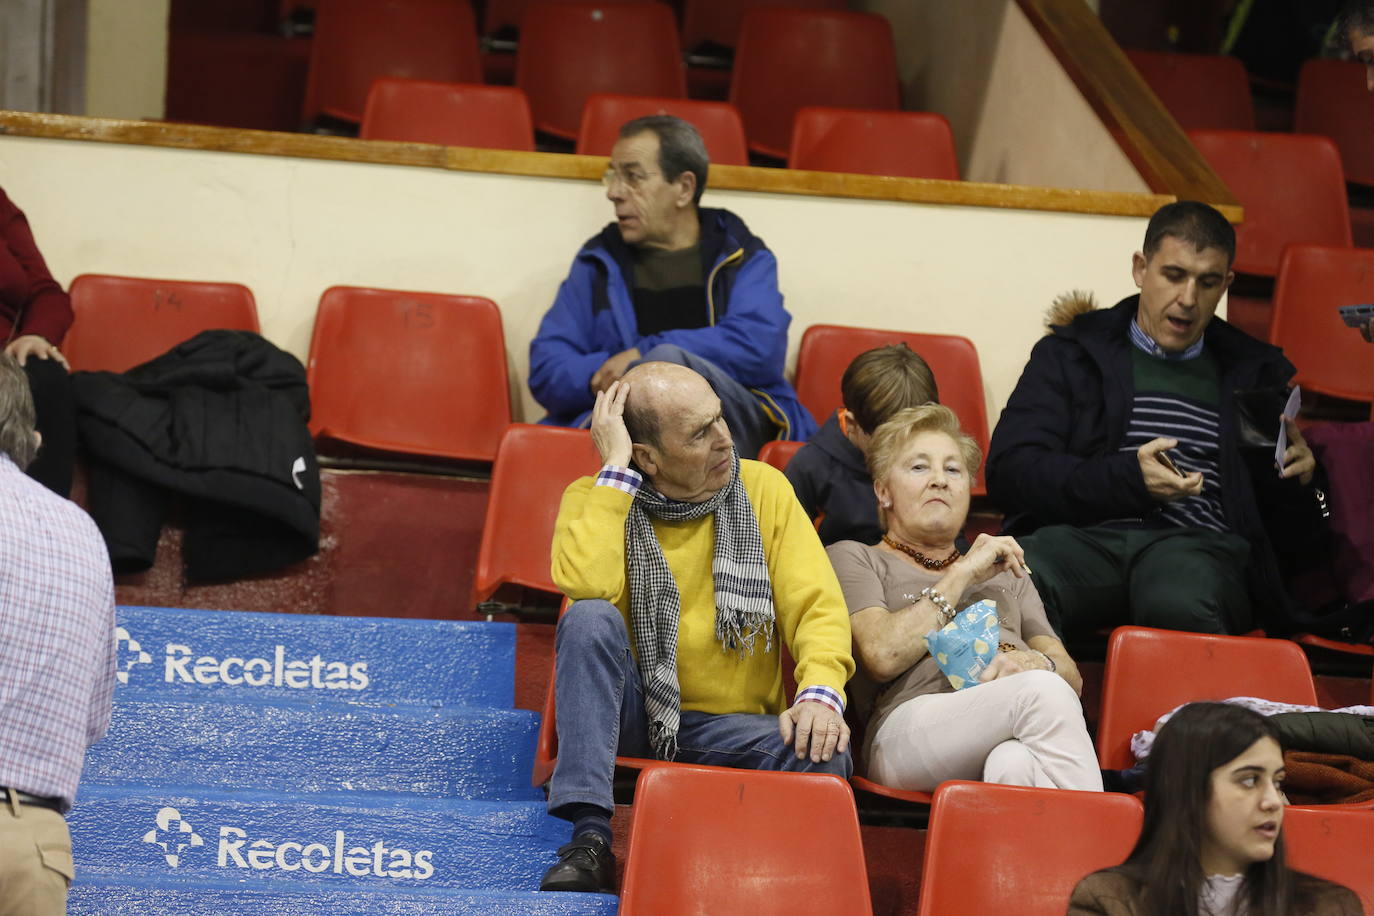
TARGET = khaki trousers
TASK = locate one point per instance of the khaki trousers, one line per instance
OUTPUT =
(35, 859)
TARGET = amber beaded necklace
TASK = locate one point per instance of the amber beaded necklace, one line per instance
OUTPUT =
(919, 557)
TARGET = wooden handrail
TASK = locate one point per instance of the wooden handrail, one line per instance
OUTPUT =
(1142, 126)
(587, 168)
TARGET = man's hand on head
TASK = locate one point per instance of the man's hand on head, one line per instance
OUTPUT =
(21, 348)
(815, 730)
(612, 369)
(1298, 460)
(609, 434)
(1164, 484)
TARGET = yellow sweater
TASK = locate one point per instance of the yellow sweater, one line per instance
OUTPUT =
(589, 562)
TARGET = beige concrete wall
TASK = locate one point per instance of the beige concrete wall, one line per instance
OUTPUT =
(126, 58)
(289, 228)
(1017, 117)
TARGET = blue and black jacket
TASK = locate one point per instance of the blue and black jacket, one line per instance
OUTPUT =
(593, 318)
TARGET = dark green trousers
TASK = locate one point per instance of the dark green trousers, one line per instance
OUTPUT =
(1173, 578)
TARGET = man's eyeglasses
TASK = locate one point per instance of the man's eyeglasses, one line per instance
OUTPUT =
(632, 178)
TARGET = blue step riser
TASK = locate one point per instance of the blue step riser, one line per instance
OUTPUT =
(254, 838)
(317, 749)
(234, 655)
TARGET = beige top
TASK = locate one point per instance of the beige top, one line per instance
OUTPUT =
(872, 577)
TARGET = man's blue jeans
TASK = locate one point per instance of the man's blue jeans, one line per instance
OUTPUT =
(600, 704)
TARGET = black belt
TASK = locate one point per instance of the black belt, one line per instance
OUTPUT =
(36, 801)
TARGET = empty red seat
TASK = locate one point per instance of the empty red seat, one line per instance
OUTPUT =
(1334, 101)
(718, 122)
(1314, 281)
(827, 350)
(417, 373)
(568, 51)
(905, 144)
(1149, 672)
(1332, 843)
(124, 321)
(1291, 186)
(1015, 849)
(450, 114)
(357, 41)
(534, 465)
(788, 59)
(1201, 91)
(779, 452)
(718, 840)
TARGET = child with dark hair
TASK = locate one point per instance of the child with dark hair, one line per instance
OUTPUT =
(1212, 841)
(829, 472)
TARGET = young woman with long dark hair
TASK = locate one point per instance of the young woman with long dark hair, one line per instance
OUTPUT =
(1212, 844)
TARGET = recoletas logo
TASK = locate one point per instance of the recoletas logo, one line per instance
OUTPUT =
(182, 664)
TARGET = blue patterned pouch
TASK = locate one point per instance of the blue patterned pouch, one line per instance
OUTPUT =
(966, 645)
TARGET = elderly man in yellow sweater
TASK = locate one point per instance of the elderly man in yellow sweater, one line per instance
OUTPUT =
(688, 567)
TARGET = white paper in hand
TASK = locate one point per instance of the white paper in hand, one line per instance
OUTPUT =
(1290, 410)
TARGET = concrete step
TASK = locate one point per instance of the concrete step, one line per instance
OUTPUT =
(318, 748)
(177, 654)
(150, 898)
(184, 837)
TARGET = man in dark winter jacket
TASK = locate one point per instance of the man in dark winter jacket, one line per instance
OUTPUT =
(1124, 449)
(668, 281)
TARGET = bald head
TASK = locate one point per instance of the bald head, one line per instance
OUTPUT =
(680, 439)
(657, 390)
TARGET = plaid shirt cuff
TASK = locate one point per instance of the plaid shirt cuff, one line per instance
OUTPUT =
(626, 480)
(826, 695)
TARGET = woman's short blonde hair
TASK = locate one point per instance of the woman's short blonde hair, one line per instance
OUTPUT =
(892, 437)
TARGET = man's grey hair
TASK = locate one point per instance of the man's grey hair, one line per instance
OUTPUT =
(16, 413)
(680, 147)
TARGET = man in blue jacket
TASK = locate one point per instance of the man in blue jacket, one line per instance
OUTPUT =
(1123, 449)
(669, 281)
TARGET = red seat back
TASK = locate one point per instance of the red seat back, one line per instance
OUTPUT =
(1201, 91)
(788, 59)
(779, 452)
(1149, 672)
(357, 41)
(450, 114)
(719, 123)
(534, 465)
(905, 144)
(418, 373)
(1014, 849)
(1333, 101)
(710, 840)
(569, 51)
(827, 350)
(1291, 186)
(1332, 843)
(717, 22)
(124, 321)
(1314, 280)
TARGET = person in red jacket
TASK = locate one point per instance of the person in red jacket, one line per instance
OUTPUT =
(35, 314)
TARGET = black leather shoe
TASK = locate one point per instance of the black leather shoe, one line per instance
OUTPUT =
(586, 864)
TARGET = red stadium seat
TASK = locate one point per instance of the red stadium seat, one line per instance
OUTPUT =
(1331, 357)
(1332, 843)
(719, 123)
(568, 51)
(1333, 101)
(711, 27)
(788, 59)
(718, 840)
(418, 398)
(1291, 186)
(1014, 849)
(357, 41)
(779, 452)
(827, 349)
(124, 321)
(450, 114)
(904, 144)
(1149, 672)
(534, 465)
(1201, 91)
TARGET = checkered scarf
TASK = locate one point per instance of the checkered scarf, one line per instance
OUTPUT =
(744, 594)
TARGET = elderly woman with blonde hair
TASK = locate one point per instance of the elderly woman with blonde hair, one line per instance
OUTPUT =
(1022, 722)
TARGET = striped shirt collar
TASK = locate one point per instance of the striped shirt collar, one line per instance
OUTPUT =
(1147, 344)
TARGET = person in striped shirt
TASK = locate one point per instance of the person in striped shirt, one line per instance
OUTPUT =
(1119, 463)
